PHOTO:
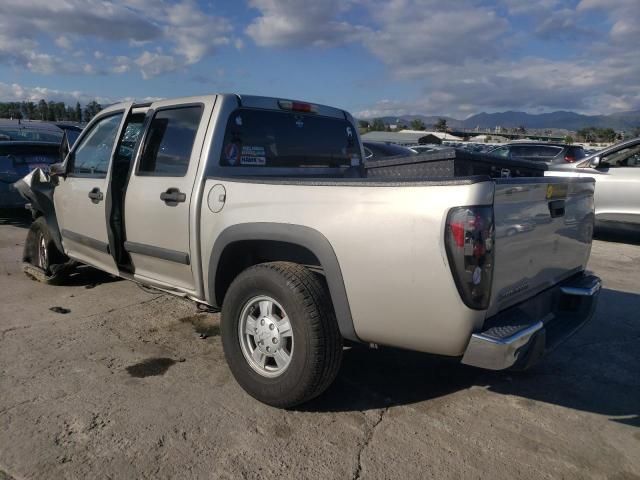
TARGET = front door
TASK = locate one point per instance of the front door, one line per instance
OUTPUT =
(158, 199)
(617, 195)
(80, 196)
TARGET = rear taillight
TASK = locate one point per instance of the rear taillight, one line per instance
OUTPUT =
(569, 159)
(469, 240)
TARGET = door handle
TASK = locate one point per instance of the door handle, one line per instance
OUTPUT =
(172, 197)
(556, 208)
(96, 195)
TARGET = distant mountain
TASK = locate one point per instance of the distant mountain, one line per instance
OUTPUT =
(560, 119)
(428, 120)
(554, 120)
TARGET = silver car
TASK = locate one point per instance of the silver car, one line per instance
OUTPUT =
(616, 170)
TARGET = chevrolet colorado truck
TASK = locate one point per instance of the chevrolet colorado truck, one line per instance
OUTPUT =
(262, 207)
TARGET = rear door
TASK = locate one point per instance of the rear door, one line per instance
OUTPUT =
(159, 194)
(79, 197)
(543, 230)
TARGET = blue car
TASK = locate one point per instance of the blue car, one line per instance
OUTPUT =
(24, 146)
(17, 159)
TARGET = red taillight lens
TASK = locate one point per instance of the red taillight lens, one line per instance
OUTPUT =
(469, 241)
(297, 106)
(457, 232)
(569, 159)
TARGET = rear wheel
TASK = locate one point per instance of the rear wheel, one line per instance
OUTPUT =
(43, 261)
(280, 335)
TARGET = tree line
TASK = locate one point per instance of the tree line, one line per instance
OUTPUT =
(378, 125)
(594, 134)
(49, 111)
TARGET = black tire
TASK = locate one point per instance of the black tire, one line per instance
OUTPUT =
(43, 261)
(316, 359)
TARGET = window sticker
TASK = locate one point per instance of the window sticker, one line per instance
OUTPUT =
(231, 153)
(253, 155)
(355, 160)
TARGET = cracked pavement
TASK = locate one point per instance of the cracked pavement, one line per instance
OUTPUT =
(123, 386)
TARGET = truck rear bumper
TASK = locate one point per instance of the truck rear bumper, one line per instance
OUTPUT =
(519, 336)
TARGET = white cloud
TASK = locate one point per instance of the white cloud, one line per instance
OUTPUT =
(152, 64)
(180, 26)
(301, 23)
(16, 92)
(195, 33)
(63, 42)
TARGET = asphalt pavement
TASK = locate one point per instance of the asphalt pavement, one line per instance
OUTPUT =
(103, 379)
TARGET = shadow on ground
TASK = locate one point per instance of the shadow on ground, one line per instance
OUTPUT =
(18, 217)
(595, 371)
(618, 235)
(88, 277)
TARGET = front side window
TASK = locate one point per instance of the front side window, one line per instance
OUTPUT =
(270, 139)
(626, 157)
(94, 152)
(169, 142)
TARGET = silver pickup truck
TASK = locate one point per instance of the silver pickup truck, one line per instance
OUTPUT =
(262, 207)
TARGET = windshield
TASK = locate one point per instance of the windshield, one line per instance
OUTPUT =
(267, 138)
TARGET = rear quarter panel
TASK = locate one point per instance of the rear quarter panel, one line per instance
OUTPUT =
(389, 244)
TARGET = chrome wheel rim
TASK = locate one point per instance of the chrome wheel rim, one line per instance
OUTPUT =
(43, 256)
(266, 336)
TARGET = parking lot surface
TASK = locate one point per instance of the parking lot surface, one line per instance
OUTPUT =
(121, 382)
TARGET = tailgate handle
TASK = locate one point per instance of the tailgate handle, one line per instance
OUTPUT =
(556, 208)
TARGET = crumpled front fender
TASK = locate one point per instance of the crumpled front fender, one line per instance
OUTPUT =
(37, 188)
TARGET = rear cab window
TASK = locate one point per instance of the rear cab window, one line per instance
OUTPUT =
(260, 141)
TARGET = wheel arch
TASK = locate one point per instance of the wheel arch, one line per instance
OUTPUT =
(241, 246)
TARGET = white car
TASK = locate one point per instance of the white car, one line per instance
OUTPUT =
(617, 173)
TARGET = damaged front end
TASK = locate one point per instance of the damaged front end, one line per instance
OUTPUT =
(43, 257)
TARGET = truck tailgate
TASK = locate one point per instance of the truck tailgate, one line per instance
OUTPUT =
(543, 230)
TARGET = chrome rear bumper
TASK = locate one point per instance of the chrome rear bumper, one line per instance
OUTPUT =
(519, 336)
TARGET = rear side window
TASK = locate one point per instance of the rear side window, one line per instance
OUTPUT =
(169, 142)
(268, 139)
(94, 152)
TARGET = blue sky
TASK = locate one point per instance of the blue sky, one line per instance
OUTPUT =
(372, 57)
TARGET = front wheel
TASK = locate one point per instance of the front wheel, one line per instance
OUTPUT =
(42, 259)
(280, 334)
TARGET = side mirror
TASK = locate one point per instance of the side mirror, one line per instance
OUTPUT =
(595, 162)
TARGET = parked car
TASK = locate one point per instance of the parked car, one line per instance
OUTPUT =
(427, 148)
(378, 150)
(249, 204)
(549, 153)
(29, 131)
(616, 170)
(17, 159)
